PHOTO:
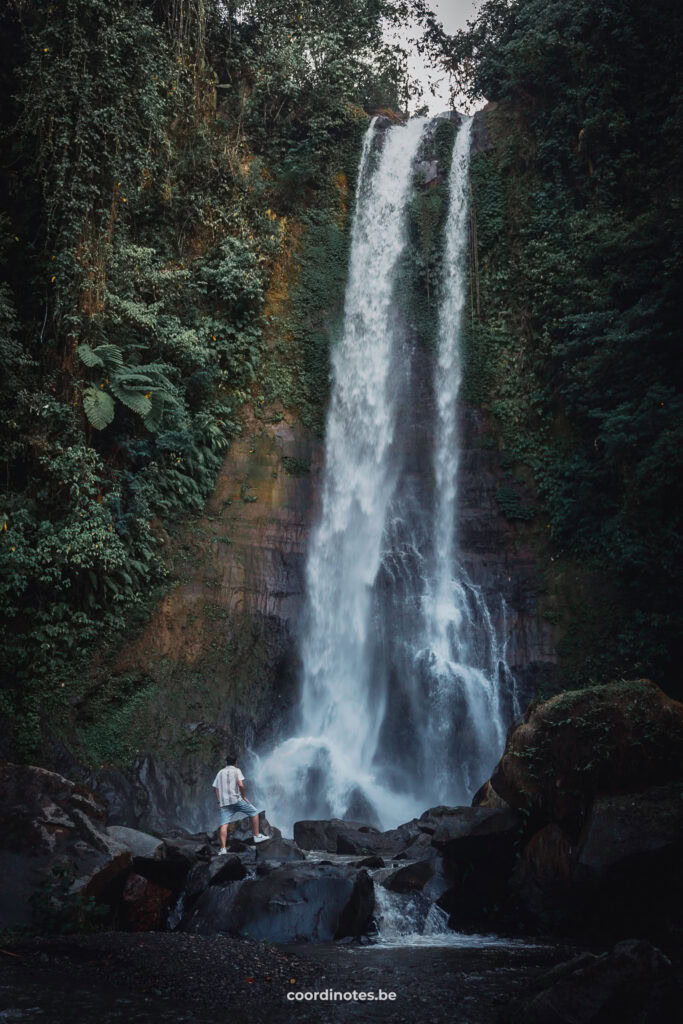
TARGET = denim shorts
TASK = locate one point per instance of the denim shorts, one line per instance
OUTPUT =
(233, 812)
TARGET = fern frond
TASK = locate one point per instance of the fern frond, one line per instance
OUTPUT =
(88, 356)
(99, 407)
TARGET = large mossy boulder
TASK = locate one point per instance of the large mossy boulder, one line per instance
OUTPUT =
(597, 776)
(604, 739)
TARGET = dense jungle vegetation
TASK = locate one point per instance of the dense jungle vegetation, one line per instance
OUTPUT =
(576, 348)
(154, 155)
(158, 156)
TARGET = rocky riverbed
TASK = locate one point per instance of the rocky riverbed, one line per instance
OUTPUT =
(572, 838)
(112, 978)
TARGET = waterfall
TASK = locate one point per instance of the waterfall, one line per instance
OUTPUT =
(461, 654)
(403, 918)
(400, 702)
(318, 772)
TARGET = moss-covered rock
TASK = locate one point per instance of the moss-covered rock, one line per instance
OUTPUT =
(599, 740)
(597, 774)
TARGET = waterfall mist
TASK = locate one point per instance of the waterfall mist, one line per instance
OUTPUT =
(405, 692)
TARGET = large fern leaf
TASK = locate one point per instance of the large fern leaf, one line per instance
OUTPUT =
(132, 398)
(99, 407)
(153, 418)
(111, 354)
(130, 378)
(89, 356)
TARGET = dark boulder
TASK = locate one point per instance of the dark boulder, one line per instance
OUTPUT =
(596, 776)
(241, 830)
(420, 848)
(181, 852)
(486, 796)
(542, 879)
(245, 850)
(167, 873)
(279, 849)
(479, 847)
(140, 844)
(226, 869)
(481, 831)
(366, 862)
(622, 874)
(355, 918)
(627, 825)
(294, 903)
(49, 824)
(187, 849)
(627, 984)
(400, 837)
(411, 878)
(324, 835)
(361, 843)
(218, 871)
(144, 905)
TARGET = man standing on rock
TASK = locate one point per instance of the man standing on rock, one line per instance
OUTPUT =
(232, 801)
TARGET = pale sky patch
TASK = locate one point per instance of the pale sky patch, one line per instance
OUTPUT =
(453, 15)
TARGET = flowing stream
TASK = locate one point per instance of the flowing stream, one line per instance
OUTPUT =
(405, 686)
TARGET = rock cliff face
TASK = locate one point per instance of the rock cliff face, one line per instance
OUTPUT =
(221, 647)
(503, 556)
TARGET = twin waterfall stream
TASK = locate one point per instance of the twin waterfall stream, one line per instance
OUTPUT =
(406, 694)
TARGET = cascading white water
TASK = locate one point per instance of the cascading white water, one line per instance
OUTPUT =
(318, 772)
(403, 918)
(413, 920)
(461, 652)
(401, 703)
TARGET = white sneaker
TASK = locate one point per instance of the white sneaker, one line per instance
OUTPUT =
(260, 839)
(222, 852)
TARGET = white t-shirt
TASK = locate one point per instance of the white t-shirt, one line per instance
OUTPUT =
(227, 783)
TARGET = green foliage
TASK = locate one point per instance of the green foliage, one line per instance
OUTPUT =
(296, 369)
(419, 271)
(152, 151)
(58, 910)
(99, 408)
(113, 726)
(512, 504)
(575, 349)
(293, 68)
(295, 467)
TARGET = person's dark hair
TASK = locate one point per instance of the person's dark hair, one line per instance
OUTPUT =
(231, 759)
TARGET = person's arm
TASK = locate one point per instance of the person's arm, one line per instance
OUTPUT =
(218, 796)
